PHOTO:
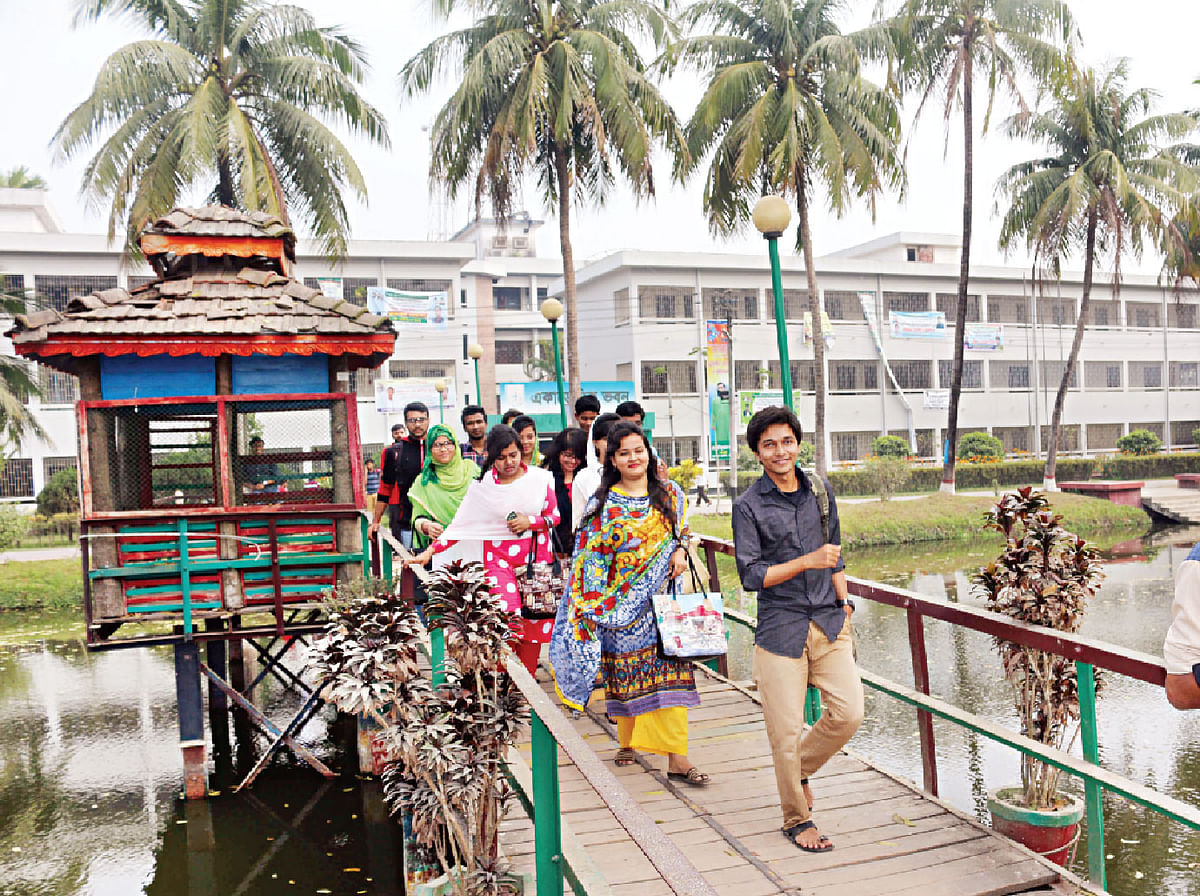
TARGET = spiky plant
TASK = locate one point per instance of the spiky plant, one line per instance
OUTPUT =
(1045, 576)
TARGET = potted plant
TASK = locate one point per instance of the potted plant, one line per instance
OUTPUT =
(444, 745)
(1043, 576)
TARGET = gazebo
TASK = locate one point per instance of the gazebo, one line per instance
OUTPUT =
(220, 463)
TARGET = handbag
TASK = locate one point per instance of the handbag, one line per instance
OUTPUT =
(691, 626)
(540, 584)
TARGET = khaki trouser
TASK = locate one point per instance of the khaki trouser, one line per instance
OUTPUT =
(782, 683)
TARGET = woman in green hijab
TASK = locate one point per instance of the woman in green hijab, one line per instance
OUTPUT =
(441, 487)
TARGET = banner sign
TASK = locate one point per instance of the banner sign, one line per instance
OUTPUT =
(331, 287)
(412, 310)
(392, 395)
(750, 402)
(937, 399)
(542, 397)
(917, 324)
(826, 329)
(717, 375)
(983, 337)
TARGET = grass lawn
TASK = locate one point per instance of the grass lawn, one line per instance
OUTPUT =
(941, 517)
(48, 584)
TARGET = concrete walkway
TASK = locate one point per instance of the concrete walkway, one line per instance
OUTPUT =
(30, 554)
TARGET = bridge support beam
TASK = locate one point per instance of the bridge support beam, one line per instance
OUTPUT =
(190, 701)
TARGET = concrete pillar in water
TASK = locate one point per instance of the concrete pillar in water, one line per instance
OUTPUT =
(190, 702)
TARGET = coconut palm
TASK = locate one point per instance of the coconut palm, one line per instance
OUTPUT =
(17, 385)
(940, 44)
(786, 110)
(21, 179)
(229, 96)
(1114, 179)
(556, 89)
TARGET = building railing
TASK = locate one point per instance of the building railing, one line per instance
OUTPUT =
(557, 855)
(1088, 654)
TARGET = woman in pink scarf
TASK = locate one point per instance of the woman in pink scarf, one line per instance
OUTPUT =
(511, 503)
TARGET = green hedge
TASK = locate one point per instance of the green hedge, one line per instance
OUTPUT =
(929, 479)
(1154, 466)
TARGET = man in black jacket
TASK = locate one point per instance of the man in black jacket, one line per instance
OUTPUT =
(399, 467)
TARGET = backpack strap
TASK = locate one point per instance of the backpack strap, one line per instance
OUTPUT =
(817, 484)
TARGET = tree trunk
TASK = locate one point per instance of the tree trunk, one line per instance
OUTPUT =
(818, 339)
(964, 273)
(568, 260)
(1049, 482)
(225, 194)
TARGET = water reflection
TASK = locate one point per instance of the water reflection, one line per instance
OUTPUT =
(1140, 734)
(89, 788)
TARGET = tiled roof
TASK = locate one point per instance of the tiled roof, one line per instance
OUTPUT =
(217, 220)
(210, 303)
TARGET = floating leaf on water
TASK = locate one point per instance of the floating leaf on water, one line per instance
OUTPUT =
(1137, 875)
(900, 819)
(324, 891)
(1123, 840)
(181, 821)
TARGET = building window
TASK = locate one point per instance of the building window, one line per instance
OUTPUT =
(844, 377)
(841, 304)
(1008, 309)
(910, 253)
(421, 370)
(1014, 438)
(16, 479)
(1184, 375)
(55, 291)
(1181, 431)
(510, 298)
(906, 301)
(854, 376)
(739, 304)
(51, 466)
(749, 375)
(804, 376)
(673, 377)
(972, 377)
(1018, 376)
(947, 303)
(511, 351)
(1056, 312)
(845, 445)
(1185, 317)
(1052, 374)
(666, 303)
(621, 307)
(1151, 375)
(795, 303)
(912, 374)
(1143, 315)
(57, 387)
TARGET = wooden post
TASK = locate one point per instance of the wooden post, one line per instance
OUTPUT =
(232, 594)
(190, 702)
(920, 664)
(108, 597)
(345, 490)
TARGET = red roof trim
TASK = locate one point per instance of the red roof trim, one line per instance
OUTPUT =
(274, 346)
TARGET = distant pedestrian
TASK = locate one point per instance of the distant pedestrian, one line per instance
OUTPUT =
(526, 430)
(587, 409)
(1182, 647)
(372, 485)
(702, 497)
(474, 421)
(787, 541)
(510, 415)
(402, 463)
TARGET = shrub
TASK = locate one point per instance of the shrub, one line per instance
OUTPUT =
(1196, 436)
(976, 446)
(807, 453)
(60, 494)
(1140, 442)
(1152, 466)
(890, 446)
(886, 474)
(13, 526)
(685, 474)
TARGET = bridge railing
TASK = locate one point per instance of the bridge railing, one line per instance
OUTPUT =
(558, 856)
(1088, 654)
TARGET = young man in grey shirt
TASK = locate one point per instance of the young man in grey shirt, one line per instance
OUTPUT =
(787, 539)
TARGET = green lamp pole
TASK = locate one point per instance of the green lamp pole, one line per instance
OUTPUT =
(552, 310)
(771, 216)
(475, 352)
(440, 385)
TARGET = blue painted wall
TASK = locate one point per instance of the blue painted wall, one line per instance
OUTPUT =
(158, 376)
(264, 375)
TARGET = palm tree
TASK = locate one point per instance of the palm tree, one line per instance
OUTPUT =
(228, 95)
(939, 44)
(786, 110)
(20, 178)
(557, 89)
(1113, 179)
(17, 385)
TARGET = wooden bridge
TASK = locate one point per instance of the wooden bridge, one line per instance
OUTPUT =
(888, 836)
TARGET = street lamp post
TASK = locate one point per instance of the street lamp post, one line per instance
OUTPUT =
(475, 352)
(771, 217)
(552, 310)
(440, 385)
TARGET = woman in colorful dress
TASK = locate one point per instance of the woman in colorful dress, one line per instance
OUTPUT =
(509, 504)
(628, 545)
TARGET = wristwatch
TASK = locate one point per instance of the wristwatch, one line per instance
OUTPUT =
(844, 603)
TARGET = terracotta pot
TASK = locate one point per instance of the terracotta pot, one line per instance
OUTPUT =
(1048, 832)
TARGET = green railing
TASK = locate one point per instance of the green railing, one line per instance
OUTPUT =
(1088, 655)
(558, 856)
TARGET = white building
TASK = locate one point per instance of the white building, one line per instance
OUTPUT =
(642, 311)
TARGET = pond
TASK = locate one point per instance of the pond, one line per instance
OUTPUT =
(90, 768)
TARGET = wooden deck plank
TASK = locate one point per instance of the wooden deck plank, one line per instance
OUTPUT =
(888, 836)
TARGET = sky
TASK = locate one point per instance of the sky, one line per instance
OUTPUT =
(48, 67)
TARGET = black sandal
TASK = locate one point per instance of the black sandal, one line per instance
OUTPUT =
(800, 828)
(692, 776)
(625, 757)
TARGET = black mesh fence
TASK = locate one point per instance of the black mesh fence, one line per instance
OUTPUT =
(281, 452)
